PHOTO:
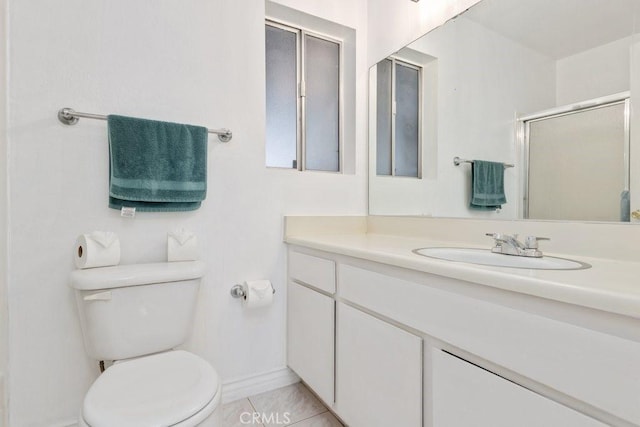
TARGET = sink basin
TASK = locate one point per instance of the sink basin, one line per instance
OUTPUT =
(486, 257)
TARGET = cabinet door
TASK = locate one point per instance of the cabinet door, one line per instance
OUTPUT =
(379, 372)
(467, 395)
(310, 338)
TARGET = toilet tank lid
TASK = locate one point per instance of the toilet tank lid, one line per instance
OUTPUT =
(120, 276)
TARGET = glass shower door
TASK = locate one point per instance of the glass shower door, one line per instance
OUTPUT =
(578, 165)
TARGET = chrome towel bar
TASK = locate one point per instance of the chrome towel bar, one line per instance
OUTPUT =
(69, 116)
(457, 160)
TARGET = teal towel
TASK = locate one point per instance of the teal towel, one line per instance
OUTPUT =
(156, 166)
(625, 206)
(487, 185)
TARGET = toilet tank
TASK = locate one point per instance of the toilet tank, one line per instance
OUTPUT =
(133, 310)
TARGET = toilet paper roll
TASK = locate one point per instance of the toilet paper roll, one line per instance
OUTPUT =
(258, 293)
(97, 249)
(182, 245)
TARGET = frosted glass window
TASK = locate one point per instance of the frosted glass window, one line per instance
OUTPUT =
(398, 109)
(303, 94)
(406, 126)
(322, 106)
(282, 109)
(383, 118)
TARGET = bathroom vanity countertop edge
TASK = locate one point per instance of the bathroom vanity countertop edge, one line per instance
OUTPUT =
(609, 285)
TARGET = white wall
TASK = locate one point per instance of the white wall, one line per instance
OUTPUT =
(484, 80)
(597, 72)
(394, 24)
(198, 61)
(3, 212)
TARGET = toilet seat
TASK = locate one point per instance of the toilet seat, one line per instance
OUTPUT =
(172, 388)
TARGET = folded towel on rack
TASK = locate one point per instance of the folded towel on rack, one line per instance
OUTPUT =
(487, 185)
(156, 166)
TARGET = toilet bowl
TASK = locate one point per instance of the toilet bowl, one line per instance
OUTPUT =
(175, 388)
(135, 316)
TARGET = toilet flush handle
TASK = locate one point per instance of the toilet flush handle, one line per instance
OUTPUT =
(99, 296)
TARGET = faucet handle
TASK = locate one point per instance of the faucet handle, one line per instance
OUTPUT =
(531, 242)
(496, 236)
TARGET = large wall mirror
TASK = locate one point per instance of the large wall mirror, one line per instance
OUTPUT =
(534, 99)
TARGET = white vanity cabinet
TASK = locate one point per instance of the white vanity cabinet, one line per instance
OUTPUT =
(378, 366)
(310, 322)
(466, 395)
(369, 341)
(379, 372)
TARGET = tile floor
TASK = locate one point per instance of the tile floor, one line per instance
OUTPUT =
(293, 405)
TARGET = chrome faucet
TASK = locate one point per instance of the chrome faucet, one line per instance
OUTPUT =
(510, 245)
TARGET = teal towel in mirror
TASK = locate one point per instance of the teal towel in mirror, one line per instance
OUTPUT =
(487, 185)
(156, 166)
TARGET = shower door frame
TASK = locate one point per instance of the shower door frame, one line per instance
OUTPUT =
(523, 127)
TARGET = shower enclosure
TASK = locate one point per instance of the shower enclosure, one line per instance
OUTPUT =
(576, 161)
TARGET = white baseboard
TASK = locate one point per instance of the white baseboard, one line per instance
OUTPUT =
(255, 384)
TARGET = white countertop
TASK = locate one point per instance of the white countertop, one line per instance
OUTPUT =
(609, 285)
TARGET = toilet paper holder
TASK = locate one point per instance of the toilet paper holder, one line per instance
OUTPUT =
(237, 291)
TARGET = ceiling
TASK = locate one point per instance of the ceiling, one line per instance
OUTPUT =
(570, 26)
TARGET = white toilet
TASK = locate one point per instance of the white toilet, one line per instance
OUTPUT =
(136, 315)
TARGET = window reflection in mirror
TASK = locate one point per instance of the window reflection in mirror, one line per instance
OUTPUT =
(398, 111)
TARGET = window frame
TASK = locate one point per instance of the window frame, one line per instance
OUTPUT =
(420, 69)
(301, 33)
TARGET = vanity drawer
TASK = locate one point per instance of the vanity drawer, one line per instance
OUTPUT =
(317, 272)
(591, 366)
